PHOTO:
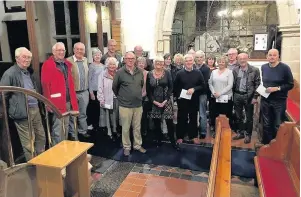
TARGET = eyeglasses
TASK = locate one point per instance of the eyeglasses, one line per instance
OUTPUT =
(129, 58)
(61, 50)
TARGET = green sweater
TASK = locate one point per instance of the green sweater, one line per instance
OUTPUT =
(128, 87)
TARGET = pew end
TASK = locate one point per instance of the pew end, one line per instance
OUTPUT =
(219, 181)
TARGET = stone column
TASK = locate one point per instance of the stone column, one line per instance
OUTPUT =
(290, 49)
(166, 41)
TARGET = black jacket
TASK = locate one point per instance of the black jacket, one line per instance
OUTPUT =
(253, 81)
(16, 101)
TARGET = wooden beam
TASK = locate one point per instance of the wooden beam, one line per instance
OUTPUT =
(99, 27)
(112, 11)
(82, 23)
(33, 44)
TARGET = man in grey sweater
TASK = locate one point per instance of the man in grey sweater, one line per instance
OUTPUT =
(127, 86)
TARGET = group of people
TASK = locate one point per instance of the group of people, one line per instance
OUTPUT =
(113, 96)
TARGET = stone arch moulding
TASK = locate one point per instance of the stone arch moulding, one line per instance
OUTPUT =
(166, 12)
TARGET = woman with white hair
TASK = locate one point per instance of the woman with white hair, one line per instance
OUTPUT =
(159, 89)
(107, 99)
(95, 68)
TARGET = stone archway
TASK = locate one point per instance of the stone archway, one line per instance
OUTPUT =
(289, 25)
(165, 15)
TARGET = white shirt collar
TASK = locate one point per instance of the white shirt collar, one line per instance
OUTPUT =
(188, 70)
(75, 59)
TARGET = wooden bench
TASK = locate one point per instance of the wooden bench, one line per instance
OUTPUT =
(278, 164)
(69, 155)
(219, 180)
(293, 104)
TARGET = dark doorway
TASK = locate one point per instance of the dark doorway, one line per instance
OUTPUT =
(17, 35)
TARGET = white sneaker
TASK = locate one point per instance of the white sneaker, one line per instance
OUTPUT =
(90, 127)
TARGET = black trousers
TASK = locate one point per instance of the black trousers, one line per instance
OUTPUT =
(170, 129)
(241, 103)
(93, 111)
(187, 108)
(147, 106)
(272, 116)
(221, 108)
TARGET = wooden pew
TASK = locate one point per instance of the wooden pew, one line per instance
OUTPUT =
(219, 180)
(278, 164)
(293, 104)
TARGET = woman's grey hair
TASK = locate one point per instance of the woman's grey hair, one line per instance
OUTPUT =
(110, 61)
(95, 51)
(141, 59)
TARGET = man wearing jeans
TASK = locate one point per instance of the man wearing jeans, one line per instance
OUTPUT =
(80, 72)
(205, 70)
(127, 86)
(277, 78)
(20, 75)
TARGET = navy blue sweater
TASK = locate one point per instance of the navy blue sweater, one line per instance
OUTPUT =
(206, 74)
(281, 75)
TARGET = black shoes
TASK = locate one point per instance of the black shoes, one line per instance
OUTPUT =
(247, 139)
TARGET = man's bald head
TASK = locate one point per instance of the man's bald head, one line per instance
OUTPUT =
(138, 50)
(243, 59)
(273, 56)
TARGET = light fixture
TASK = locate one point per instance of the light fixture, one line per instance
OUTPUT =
(92, 15)
(222, 13)
(237, 13)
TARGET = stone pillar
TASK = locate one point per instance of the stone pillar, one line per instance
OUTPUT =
(166, 41)
(290, 49)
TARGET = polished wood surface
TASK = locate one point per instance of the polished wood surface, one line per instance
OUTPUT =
(61, 154)
(71, 155)
(285, 148)
(223, 174)
(219, 180)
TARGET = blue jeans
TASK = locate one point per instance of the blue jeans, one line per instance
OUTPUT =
(203, 115)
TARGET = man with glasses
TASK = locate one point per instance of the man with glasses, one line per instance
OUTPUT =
(232, 57)
(58, 87)
(127, 86)
(21, 75)
(80, 71)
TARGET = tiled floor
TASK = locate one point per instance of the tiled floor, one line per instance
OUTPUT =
(148, 185)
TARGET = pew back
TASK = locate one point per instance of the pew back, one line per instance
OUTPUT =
(220, 169)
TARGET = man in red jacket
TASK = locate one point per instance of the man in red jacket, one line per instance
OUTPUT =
(58, 87)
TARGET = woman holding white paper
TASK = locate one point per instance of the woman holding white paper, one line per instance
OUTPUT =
(220, 85)
(107, 99)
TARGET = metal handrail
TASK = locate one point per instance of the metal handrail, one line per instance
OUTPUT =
(49, 105)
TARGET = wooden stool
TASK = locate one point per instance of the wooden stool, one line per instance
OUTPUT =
(71, 155)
